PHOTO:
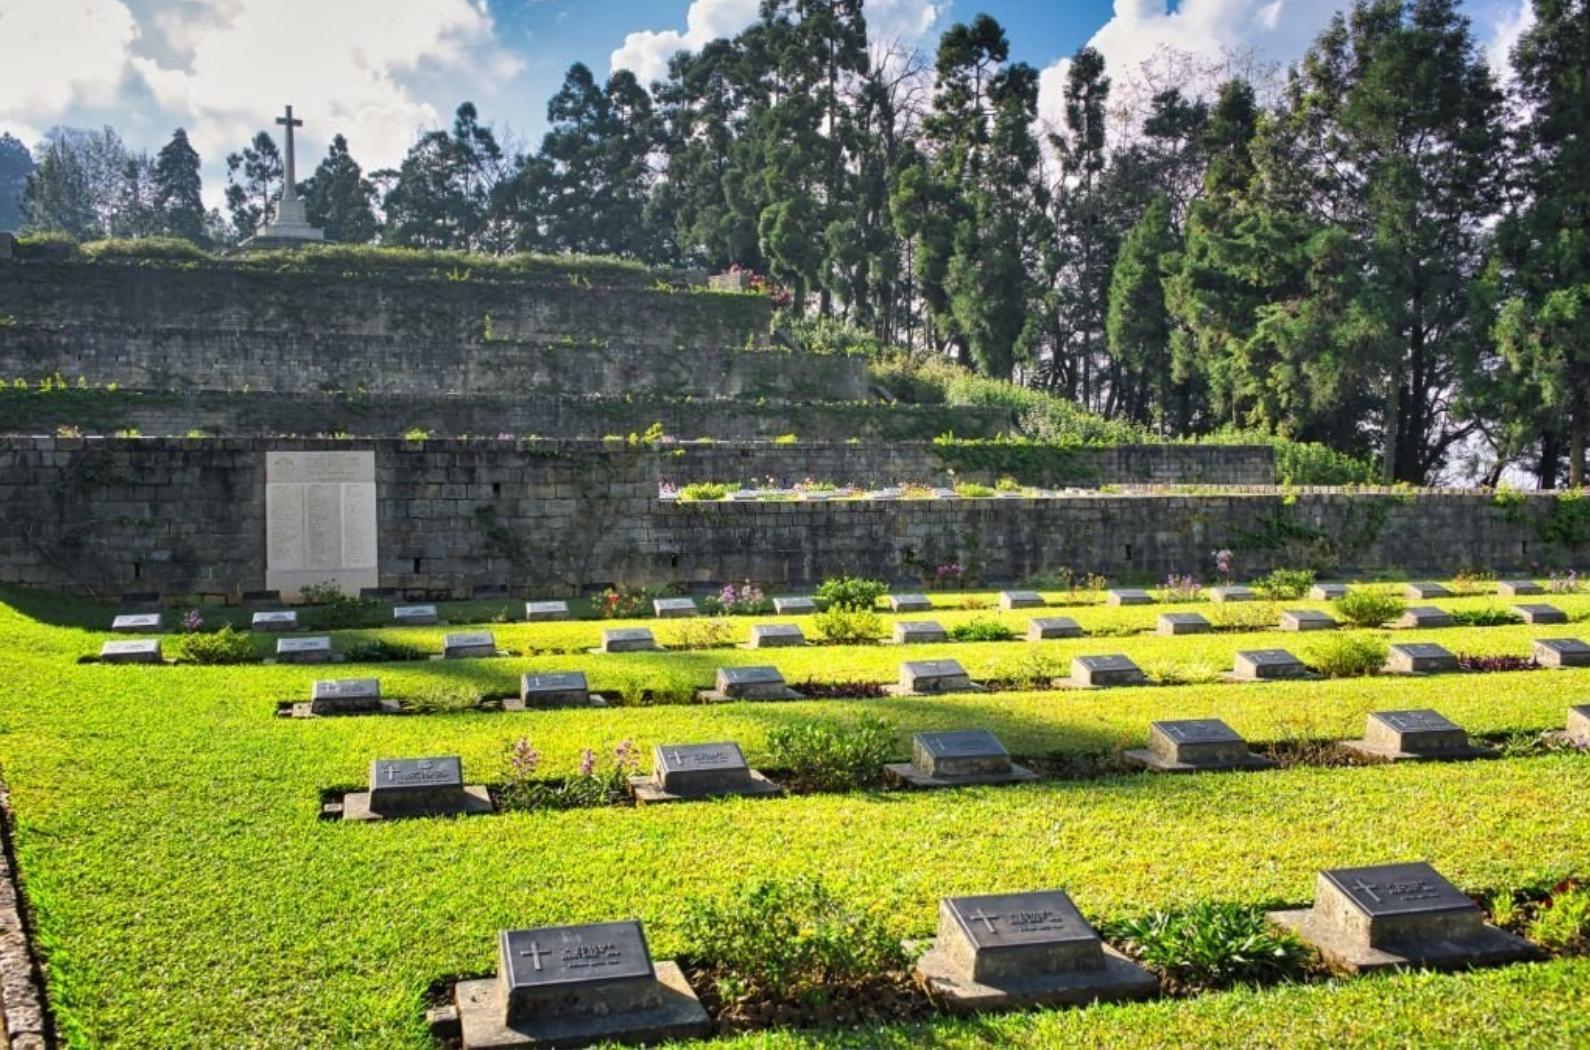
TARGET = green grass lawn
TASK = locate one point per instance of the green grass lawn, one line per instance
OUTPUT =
(186, 894)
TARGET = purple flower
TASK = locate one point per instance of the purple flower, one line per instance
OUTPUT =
(524, 759)
(587, 762)
(625, 755)
(194, 621)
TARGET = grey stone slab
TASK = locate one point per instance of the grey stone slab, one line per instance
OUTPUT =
(416, 787)
(543, 612)
(628, 640)
(1415, 735)
(1253, 665)
(314, 650)
(1232, 593)
(794, 606)
(414, 615)
(1182, 623)
(1306, 620)
(575, 969)
(1425, 590)
(137, 651)
(1420, 658)
(1518, 588)
(1327, 592)
(919, 632)
(959, 753)
(1109, 669)
(776, 636)
(1562, 652)
(137, 623)
(344, 696)
(1128, 596)
(752, 683)
(466, 645)
(909, 603)
(674, 608)
(1540, 613)
(1579, 725)
(555, 689)
(1045, 628)
(934, 676)
(1192, 745)
(274, 620)
(1424, 616)
(689, 769)
(1021, 600)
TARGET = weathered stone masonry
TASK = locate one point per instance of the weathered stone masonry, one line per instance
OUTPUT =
(187, 517)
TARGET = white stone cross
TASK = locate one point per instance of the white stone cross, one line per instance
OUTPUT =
(288, 122)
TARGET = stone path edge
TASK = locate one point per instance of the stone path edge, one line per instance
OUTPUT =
(23, 1006)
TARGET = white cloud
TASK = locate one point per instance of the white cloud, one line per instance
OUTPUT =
(60, 54)
(1504, 33)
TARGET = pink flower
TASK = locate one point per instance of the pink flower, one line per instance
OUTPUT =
(587, 762)
(524, 759)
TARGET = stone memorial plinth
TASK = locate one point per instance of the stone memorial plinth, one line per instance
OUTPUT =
(1306, 620)
(1518, 588)
(274, 620)
(1399, 915)
(674, 608)
(1046, 628)
(545, 612)
(345, 696)
(1424, 616)
(556, 689)
(1540, 613)
(320, 521)
(1425, 590)
(570, 986)
(1092, 672)
(1268, 665)
(139, 651)
(1195, 745)
(909, 603)
(468, 645)
(414, 615)
(776, 636)
(1561, 652)
(1009, 600)
(692, 771)
(1127, 596)
(1232, 593)
(416, 787)
(967, 756)
(797, 606)
(1019, 950)
(923, 677)
(748, 683)
(627, 640)
(1327, 592)
(1420, 658)
(1578, 731)
(919, 632)
(137, 623)
(313, 650)
(1420, 735)
(1170, 624)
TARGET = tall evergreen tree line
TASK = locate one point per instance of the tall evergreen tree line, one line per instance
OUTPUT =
(1390, 254)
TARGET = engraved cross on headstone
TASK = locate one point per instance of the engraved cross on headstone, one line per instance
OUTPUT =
(1367, 889)
(535, 952)
(290, 190)
(983, 917)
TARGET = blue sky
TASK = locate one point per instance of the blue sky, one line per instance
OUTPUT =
(380, 71)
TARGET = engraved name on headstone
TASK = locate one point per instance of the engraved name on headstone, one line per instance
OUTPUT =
(1020, 600)
(933, 676)
(542, 612)
(628, 640)
(316, 650)
(1043, 628)
(1420, 658)
(776, 636)
(468, 644)
(345, 696)
(919, 632)
(1562, 652)
(412, 786)
(1254, 665)
(559, 689)
(1109, 669)
(1181, 623)
(140, 651)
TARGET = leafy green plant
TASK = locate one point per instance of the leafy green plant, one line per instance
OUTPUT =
(1211, 945)
(1489, 616)
(851, 592)
(1562, 924)
(703, 633)
(703, 492)
(1284, 584)
(982, 629)
(329, 608)
(226, 646)
(416, 434)
(591, 786)
(380, 651)
(438, 698)
(1343, 656)
(843, 626)
(1362, 607)
(786, 440)
(972, 490)
(831, 755)
(1470, 581)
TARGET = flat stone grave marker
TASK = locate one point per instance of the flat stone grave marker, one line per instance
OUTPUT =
(1561, 652)
(933, 676)
(346, 696)
(1399, 915)
(274, 620)
(885, 494)
(139, 651)
(414, 615)
(1415, 735)
(1579, 725)
(1044, 628)
(1182, 623)
(545, 612)
(1306, 620)
(137, 623)
(1193, 745)
(1127, 596)
(749, 683)
(776, 636)
(628, 640)
(1327, 592)
(467, 645)
(794, 606)
(1425, 590)
(674, 608)
(555, 689)
(575, 986)
(1232, 593)
(1518, 588)
(909, 603)
(314, 650)
(689, 771)
(1255, 665)
(1540, 613)
(416, 787)
(1021, 600)
(1015, 950)
(1420, 658)
(1424, 616)
(963, 756)
(1110, 669)
(918, 632)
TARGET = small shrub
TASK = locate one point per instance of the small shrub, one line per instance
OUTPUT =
(1009, 484)
(1563, 923)
(698, 634)
(1366, 608)
(851, 592)
(982, 629)
(849, 626)
(975, 601)
(703, 492)
(1470, 582)
(1034, 670)
(626, 603)
(1211, 945)
(744, 600)
(786, 439)
(591, 786)
(1491, 664)
(435, 699)
(1343, 656)
(1284, 584)
(416, 434)
(793, 941)
(1181, 589)
(329, 608)
(972, 490)
(831, 756)
(1243, 616)
(1171, 672)
(1564, 581)
(226, 646)
(379, 651)
(1489, 616)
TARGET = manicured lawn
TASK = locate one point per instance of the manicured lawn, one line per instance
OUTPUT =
(187, 895)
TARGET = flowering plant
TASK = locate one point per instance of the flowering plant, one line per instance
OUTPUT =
(590, 786)
(1224, 559)
(745, 600)
(1181, 589)
(193, 622)
(1564, 581)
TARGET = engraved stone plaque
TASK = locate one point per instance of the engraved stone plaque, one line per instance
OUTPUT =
(566, 689)
(1004, 937)
(415, 785)
(673, 608)
(1020, 600)
(1579, 725)
(909, 603)
(274, 620)
(1264, 664)
(320, 520)
(135, 623)
(546, 611)
(468, 644)
(601, 968)
(918, 632)
(1043, 628)
(1306, 620)
(628, 640)
(1181, 623)
(1128, 596)
(684, 769)
(1518, 588)
(1425, 591)
(141, 651)
(1562, 652)
(776, 636)
(1540, 613)
(959, 753)
(1420, 658)
(751, 683)
(1424, 616)
(345, 696)
(933, 676)
(414, 615)
(1196, 741)
(794, 606)
(1233, 593)
(316, 650)
(1420, 731)
(1327, 592)
(1111, 669)
(1393, 904)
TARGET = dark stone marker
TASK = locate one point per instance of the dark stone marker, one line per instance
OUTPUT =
(416, 787)
(752, 683)
(776, 636)
(797, 606)
(262, 597)
(919, 632)
(316, 650)
(1021, 600)
(1398, 736)
(414, 615)
(1518, 588)
(1181, 623)
(964, 756)
(566, 689)
(137, 623)
(1193, 745)
(1111, 669)
(1044, 628)
(1128, 596)
(909, 603)
(539, 612)
(345, 696)
(1540, 613)
(1425, 590)
(468, 645)
(628, 640)
(933, 676)
(1420, 658)
(1233, 593)
(1306, 620)
(275, 620)
(141, 651)
(673, 608)
(1328, 592)
(1254, 665)
(1562, 652)
(690, 771)
(1424, 616)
